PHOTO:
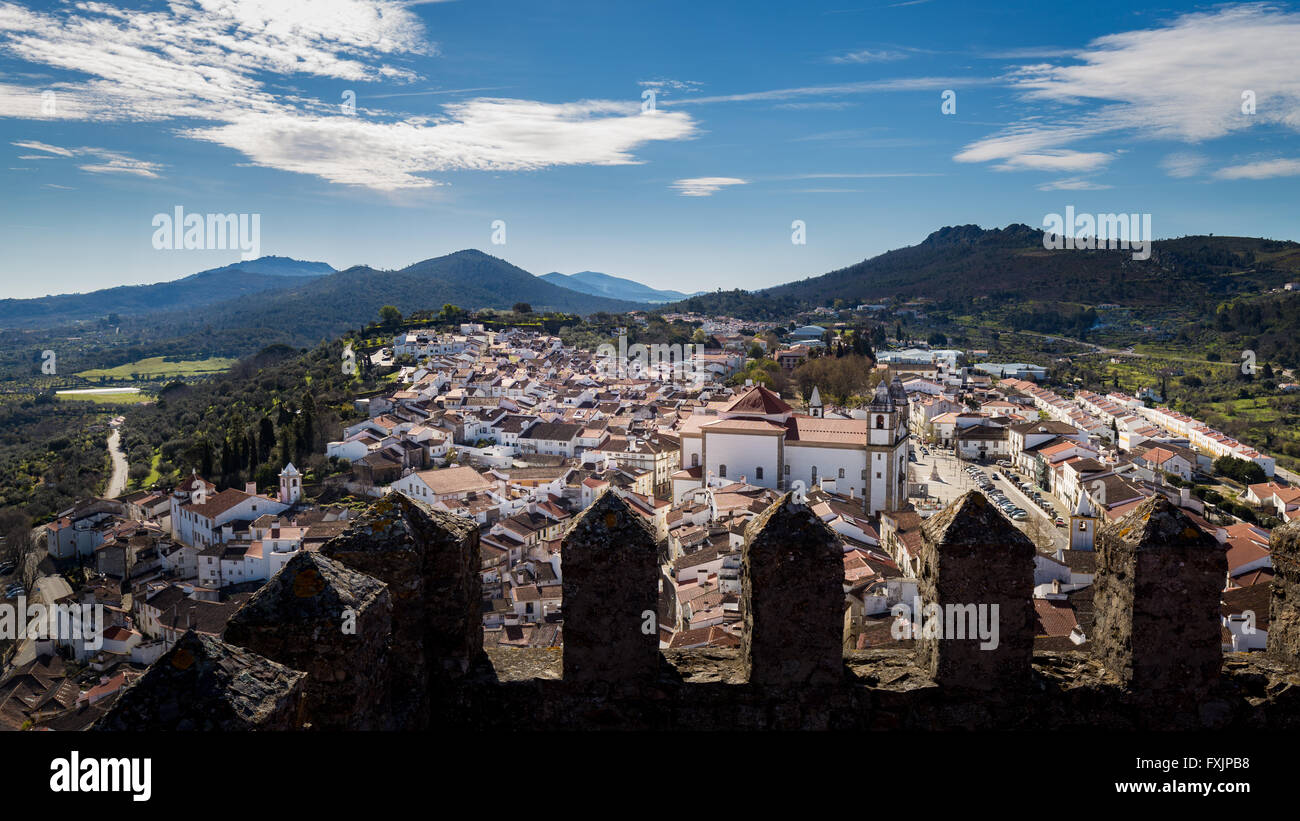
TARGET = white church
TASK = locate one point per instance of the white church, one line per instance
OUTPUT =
(757, 438)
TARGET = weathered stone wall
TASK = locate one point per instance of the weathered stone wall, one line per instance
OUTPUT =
(208, 685)
(1157, 598)
(977, 569)
(333, 623)
(610, 565)
(792, 595)
(1157, 663)
(1284, 610)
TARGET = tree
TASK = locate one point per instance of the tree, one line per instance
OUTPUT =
(389, 315)
(1242, 470)
(523, 308)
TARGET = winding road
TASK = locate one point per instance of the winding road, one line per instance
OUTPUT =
(117, 482)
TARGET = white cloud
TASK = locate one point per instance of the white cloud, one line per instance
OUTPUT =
(838, 89)
(483, 135)
(1055, 160)
(32, 145)
(671, 85)
(1181, 81)
(705, 186)
(1183, 164)
(99, 160)
(1261, 170)
(113, 162)
(1072, 184)
(210, 62)
(869, 56)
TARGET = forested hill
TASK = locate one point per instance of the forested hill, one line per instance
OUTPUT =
(325, 307)
(966, 261)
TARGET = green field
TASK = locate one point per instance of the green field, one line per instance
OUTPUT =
(155, 368)
(122, 398)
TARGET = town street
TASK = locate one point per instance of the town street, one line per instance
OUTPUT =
(954, 481)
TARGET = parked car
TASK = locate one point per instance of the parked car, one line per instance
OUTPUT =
(7, 568)
(1059, 522)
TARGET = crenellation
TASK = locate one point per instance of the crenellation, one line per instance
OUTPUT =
(1157, 602)
(976, 628)
(204, 684)
(611, 679)
(333, 623)
(792, 594)
(1284, 607)
(611, 601)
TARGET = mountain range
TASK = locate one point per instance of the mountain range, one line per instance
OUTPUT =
(278, 300)
(199, 290)
(323, 307)
(270, 285)
(598, 284)
(966, 262)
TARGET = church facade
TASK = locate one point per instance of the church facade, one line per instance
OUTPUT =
(757, 438)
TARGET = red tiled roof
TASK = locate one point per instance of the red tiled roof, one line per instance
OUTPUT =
(758, 400)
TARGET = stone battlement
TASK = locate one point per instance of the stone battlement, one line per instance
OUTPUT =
(381, 630)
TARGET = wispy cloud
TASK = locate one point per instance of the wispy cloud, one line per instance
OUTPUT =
(1183, 164)
(1072, 184)
(209, 63)
(113, 162)
(671, 85)
(825, 105)
(1261, 170)
(839, 89)
(705, 186)
(32, 145)
(1181, 81)
(96, 160)
(869, 56)
(1055, 160)
(860, 176)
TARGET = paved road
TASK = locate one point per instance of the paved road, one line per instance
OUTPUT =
(117, 482)
(954, 481)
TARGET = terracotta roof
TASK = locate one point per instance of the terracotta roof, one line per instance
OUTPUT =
(759, 400)
(1054, 617)
(454, 480)
(829, 431)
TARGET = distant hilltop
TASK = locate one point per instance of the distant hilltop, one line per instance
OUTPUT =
(598, 284)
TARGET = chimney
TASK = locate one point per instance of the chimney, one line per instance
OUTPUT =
(1056, 585)
(251, 488)
(702, 576)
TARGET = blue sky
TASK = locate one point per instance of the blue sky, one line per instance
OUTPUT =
(472, 111)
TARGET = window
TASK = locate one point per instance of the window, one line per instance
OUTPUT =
(814, 474)
(695, 460)
(787, 470)
(877, 474)
(1083, 525)
(758, 473)
(880, 422)
(722, 471)
(841, 473)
